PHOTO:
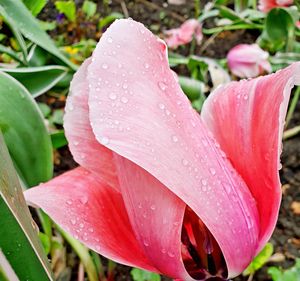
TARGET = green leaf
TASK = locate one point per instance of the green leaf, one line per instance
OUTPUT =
(35, 6)
(291, 274)
(109, 19)
(44, 108)
(260, 260)
(18, 239)
(67, 8)
(11, 53)
(280, 28)
(46, 243)
(37, 56)
(89, 8)
(38, 80)
(58, 139)
(192, 88)
(57, 117)
(143, 275)
(24, 132)
(24, 21)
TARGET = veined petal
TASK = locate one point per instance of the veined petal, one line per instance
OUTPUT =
(156, 216)
(93, 213)
(85, 149)
(247, 119)
(140, 112)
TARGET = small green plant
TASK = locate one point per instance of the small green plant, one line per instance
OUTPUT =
(67, 8)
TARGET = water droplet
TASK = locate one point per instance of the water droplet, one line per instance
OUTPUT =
(184, 162)
(104, 66)
(112, 96)
(91, 229)
(109, 40)
(174, 138)
(146, 65)
(204, 182)
(161, 106)
(245, 97)
(104, 140)
(124, 100)
(76, 143)
(171, 254)
(146, 243)
(69, 202)
(163, 250)
(84, 199)
(152, 207)
(205, 142)
(73, 221)
(162, 85)
(125, 86)
(212, 171)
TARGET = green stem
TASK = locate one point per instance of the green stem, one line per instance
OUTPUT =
(292, 107)
(291, 132)
(197, 8)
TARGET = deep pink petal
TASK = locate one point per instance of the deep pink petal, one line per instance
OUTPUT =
(247, 119)
(91, 212)
(267, 5)
(138, 110)
(85, 149)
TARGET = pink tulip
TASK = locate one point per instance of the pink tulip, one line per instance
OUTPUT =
(248, 61)
(184, 34)
(267, 5)
(158, 187)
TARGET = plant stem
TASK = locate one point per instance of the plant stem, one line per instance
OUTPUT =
(292, 106)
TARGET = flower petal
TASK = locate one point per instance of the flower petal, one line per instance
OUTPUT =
(91, 212)
(82, 143)
(247, 119)
(156, 216)
(140, 112)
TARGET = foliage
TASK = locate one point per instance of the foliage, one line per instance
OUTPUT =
(143, 275)
(67, 8)
(291, 274)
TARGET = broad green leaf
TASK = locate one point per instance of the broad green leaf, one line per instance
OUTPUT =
(67, 8)
(19, 242)
(37, 56)
(24, 132)
(260, 259)
(35, 6)
(38, 80)
(280, 27)
(46, 242)
(89, 8)
(27, 24)
(143, 275)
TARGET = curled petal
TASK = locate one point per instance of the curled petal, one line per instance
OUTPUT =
(148, 120)
(247, 119)
(248, 61)
(93, 213)
(83, 145)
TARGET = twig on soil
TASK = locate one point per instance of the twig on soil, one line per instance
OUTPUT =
(209, 41)
(291, 132)
(157, 7)
(250, 278)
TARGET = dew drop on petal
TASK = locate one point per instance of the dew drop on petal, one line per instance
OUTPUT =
(174, 138)
(112, 96)
(184, 162)
(212, 171)
(104, 140)
(69, 202)
(161, 106)
(162, 85)
(109, 40)
(124, 100)
(104, 66)
(73, 221)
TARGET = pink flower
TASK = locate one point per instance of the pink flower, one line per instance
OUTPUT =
(184, 34)
(267, 5)
(248, 61)
(158, 186)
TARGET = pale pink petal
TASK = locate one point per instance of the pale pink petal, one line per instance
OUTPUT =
(184, 34)
(91, 212)
(247, 61)
(140, 112)
(82, 143)
(247, 119)
(156, 215)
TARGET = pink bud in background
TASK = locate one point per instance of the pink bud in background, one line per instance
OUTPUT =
(184, 34)
(248, 61)
(267, 5)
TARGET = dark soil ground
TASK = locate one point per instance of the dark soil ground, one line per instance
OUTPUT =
(158, 16)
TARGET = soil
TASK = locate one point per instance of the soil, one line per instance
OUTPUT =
(158, 16)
